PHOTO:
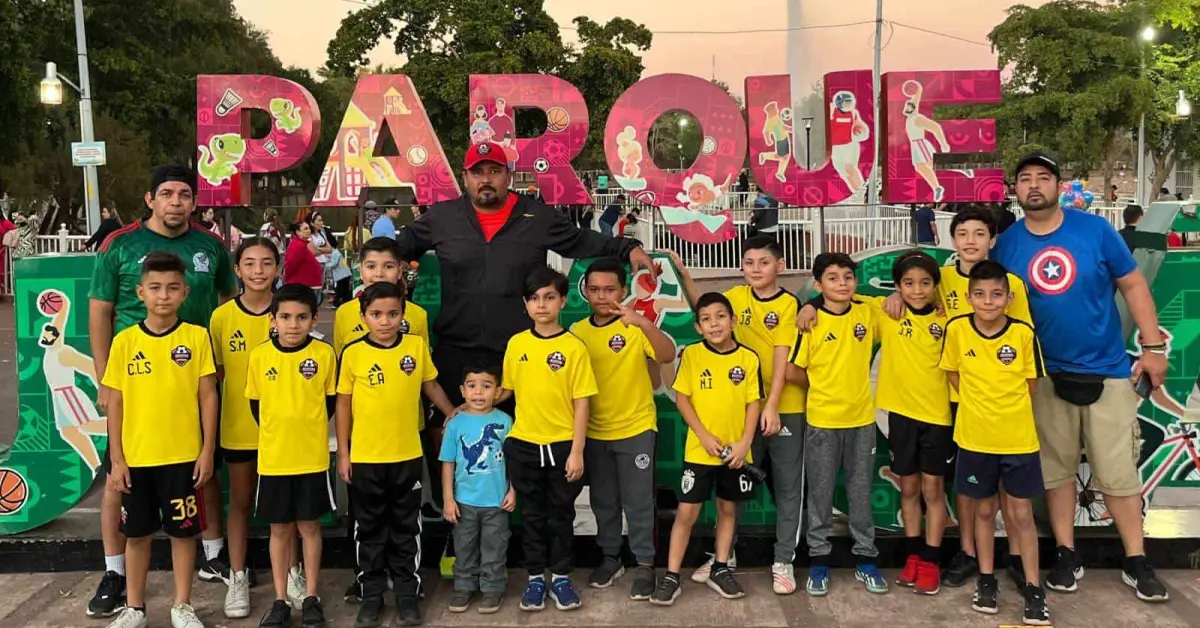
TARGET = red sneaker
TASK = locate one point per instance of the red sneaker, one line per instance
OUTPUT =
(908, 575)
(929, 578)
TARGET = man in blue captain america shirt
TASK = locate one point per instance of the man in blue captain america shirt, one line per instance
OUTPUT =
(1073, 263)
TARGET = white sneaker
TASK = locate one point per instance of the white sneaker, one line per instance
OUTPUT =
(184, 616)
(129, 618)
(700, 575)
(297, 588)
(784, 578)
(237, 598)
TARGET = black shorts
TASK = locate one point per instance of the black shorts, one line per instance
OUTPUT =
(162, 498)
(292, 498)
(235, 456)
(696, 485)
(979, 475)
(919, 447)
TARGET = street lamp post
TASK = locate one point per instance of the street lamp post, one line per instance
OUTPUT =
(808, 143)
(1148, 35)
(680, 147)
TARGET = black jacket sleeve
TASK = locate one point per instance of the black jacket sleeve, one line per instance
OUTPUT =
(415, 239)
(568, 240)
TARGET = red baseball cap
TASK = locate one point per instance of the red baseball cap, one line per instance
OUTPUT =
(485, 151)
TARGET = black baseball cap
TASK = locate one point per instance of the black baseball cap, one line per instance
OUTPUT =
(1038, 159)
(172, 172)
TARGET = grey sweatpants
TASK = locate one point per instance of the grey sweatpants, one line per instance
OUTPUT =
(481, 549)
(621, 478)
(852, 451)
(784, 455)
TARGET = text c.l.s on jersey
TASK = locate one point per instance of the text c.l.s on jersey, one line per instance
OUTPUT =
(291, 385)
(547, 374)
(624, 404)
(719, 385)
(158, 376)
(235, 332)
(384, 384)
(836, 353)
(910, 382)
(763, 325)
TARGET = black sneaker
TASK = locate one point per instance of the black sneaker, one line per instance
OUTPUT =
(643, 583)
(1140, 575)
(961, 569)
(312, 615)
(490, 602)
(110, 596)
(1036, 611)
(607, 573)
(408, 610)
(1066, 572)
(667, 591)
(215, 569)
(723, 582)
(1016, 571)
(370, 613)
(461, 600)
(984, 600)
(279, 616)
(354, 592)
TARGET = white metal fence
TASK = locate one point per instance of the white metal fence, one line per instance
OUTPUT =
(59, 243)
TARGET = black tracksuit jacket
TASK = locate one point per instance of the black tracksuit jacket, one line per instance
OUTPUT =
(482, 305)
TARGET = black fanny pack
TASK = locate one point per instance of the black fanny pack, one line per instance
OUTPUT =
(1078, 388)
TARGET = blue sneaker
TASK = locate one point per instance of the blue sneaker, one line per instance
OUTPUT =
(818, 581)
(563, 594)
(869, 575)
(534, 597)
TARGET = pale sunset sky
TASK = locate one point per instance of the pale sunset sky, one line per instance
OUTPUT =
(299, 31)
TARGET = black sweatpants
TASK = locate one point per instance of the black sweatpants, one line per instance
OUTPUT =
(386, 503)
(539, 476)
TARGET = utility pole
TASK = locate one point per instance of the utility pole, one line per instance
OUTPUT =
(91, 180)
(880, 106)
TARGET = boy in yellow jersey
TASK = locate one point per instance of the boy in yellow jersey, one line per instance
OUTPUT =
(622, 432)
(237, 327)
(379, 450)
(549, 372)
(291, 384)
(718, 391)
(993, 360)
(833, 359)
(162, 431)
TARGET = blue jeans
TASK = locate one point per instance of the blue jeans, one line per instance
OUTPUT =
(606, 229)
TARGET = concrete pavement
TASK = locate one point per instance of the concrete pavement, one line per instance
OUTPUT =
(47, 600)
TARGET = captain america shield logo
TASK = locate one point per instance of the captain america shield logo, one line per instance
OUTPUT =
(1052, 270)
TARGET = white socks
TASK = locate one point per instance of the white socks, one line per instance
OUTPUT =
(213, 548)
(115, 563)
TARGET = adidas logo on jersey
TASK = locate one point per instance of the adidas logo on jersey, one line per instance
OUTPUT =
(139, 356)
(830, 337)
(970, 353)
(358, 329)
(272, 374)
(706, 373)
(237, 342)
(237, 334)
(138, 365)
(375, 375)
(524, 357)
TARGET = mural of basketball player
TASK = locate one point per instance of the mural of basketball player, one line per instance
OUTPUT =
(846, 131)
(504, 132)
(629, 151)
(777, 132)
(481, 129)
(74, 414)
(916, 126)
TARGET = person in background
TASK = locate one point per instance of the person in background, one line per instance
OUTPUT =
(6, 227)
(271, 228)
(206, 219)
(1112, 194)
(926, 220)
(27, 233)
(610, 215)
(630, 220)
(1174, 240)
(765, 216)
(1164, 195)
(385, 225)
(1179, 196)
(300, 265)
(109, 222)
(1131, 215)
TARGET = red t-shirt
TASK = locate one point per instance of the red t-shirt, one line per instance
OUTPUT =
(1174, 240)
(491, 222)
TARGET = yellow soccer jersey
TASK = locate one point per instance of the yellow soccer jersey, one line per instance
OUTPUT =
(291, 385)
(624, 405)
(953, 291)
(836, 353)
(348, 325)
(720, 386)
(235, 332)
(378, 379)
(995, 414)
(159, 379)
(762, 325)
(910, 382)
(547, 375)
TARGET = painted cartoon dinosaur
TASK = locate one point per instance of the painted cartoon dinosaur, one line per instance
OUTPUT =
(286, 114)
(477, 455)
(219, 160)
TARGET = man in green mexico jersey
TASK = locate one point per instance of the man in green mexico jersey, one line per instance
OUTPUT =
(114, 306)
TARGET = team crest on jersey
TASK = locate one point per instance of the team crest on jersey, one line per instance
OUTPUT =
(556, 360)
(771, 320)
(408, 364)
(860, 331)
(688, 481)
(737, 375)
(936, 331)
(616, 343)
(404, 328)
(308, 368)
(200, 262)
(1006, 354)
(181, 355)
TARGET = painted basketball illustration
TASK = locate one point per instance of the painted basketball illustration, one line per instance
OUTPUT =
(13, 491)
(910, 88)
(557, 119)
(49, 302)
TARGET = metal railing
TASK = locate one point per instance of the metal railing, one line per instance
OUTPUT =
(58, 243)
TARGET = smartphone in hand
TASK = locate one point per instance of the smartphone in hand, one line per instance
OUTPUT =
(1143, 387)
